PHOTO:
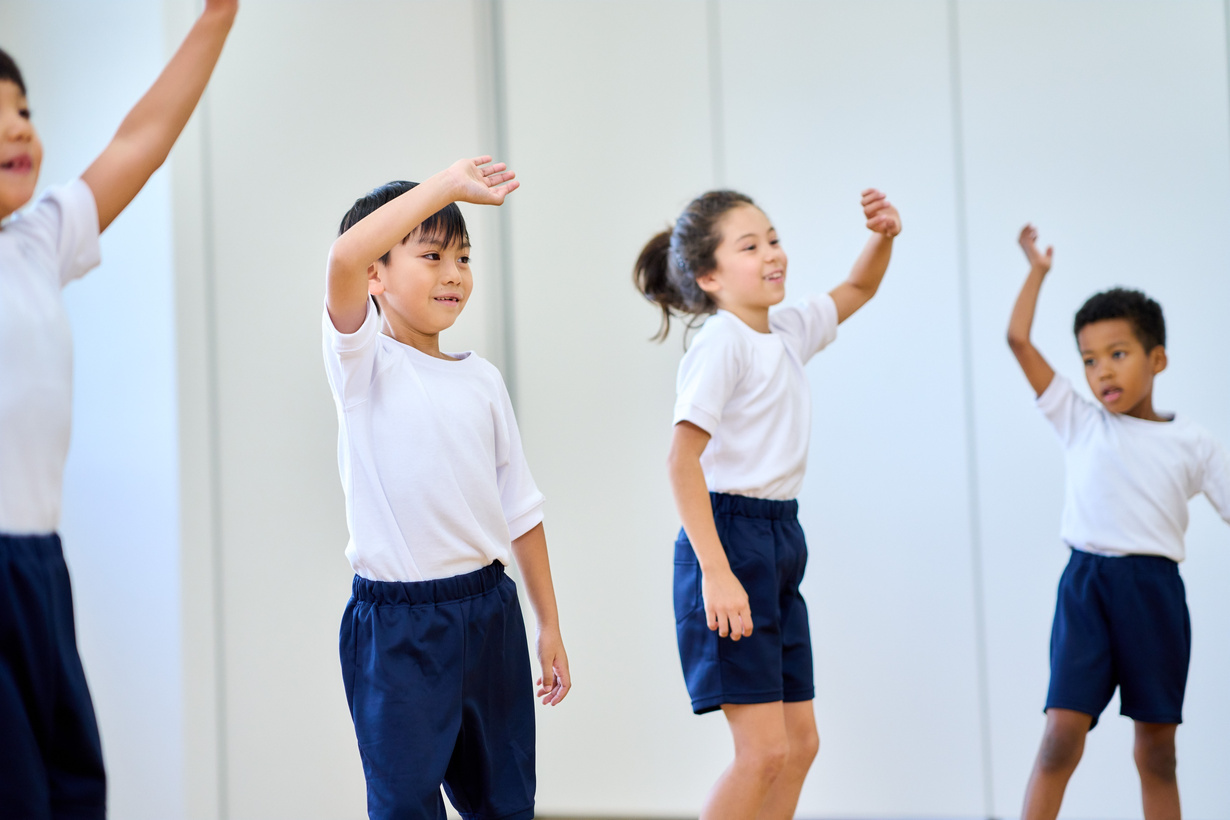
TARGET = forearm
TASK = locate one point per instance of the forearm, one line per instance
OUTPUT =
(696, 511)
(148, 132)
(1020, 326)
(865, 276)
(530, 553)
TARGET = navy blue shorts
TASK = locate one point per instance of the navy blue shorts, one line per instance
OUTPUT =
(50, 758)
(1120, 622)
(765, 546)
(438, 679)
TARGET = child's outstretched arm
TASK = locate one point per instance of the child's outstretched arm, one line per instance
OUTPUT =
(727, 609)
(530, 551)
(1035, 366)
(146, 135)
(354, 253)
(869, 268)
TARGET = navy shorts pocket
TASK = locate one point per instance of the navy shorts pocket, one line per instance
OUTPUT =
(688, 597)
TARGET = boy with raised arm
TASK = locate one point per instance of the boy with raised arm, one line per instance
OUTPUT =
(438, 500)
(51, 762)
(1121, 616)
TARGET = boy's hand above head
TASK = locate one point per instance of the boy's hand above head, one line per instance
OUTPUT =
(1037, 260)
(555, 682)
(882, 216)
(473, 180)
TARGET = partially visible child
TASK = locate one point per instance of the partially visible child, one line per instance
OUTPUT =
(438, 500)
(51, 762)
(737, 458)
(1121, 616)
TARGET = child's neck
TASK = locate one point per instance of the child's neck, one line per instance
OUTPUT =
(1143, 409)
(396, 328)
(757, 318)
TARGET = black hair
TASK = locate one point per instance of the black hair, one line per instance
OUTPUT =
(9, 71)
(670, 263)
(446, 226)
(1144, 314)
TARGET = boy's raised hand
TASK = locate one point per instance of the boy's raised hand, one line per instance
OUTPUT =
(882, 216)
(475, 181)
(1029, 243)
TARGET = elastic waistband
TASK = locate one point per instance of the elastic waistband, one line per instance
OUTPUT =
(1128, 562)
(438, 591)
(747, 507)
(43, 541)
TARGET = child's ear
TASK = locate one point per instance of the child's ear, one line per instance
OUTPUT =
(374, 286)
(1157, 358)
(708, 283)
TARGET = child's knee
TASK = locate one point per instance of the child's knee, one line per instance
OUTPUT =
(804, 746)
(1061, 750)
(765, 761)
(1155, 757)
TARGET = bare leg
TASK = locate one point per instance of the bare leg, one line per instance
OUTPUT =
(761, 748)
(1063, 743)
(1155, 760)
(803, 743)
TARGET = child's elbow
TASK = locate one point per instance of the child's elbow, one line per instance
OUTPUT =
(1017, 342)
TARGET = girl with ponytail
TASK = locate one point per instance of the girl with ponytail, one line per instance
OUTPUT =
(738, 454)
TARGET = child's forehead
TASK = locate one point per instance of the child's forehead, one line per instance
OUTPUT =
(435, 240)
(1107, 332)
(746, 218)
(10, 91)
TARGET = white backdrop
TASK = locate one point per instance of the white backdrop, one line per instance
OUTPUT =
(204, 518)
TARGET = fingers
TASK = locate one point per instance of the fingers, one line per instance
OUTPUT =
(555, 682)
(495, 179)
(483, 160)
(746, 617)
(563, 685)
(870, 195)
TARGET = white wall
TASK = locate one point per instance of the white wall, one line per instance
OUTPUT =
(121, 495)
(1106, 123)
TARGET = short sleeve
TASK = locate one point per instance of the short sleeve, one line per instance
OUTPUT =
(708, 375)
(1067, 412)
(63, 227)
(1216, 482)
(520, 497)
(808, 327)
(350, 358)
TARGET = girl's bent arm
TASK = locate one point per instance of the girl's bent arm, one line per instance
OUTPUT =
(868, 271)
(355, 252)
(146, 135)
(530, 552)
(726, 605)
(1036, 368)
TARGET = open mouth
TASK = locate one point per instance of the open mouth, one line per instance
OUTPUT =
(449, 300)
(1112, 394)
(776, 276)
(20, 164)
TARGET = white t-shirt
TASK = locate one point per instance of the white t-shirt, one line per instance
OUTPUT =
(1129, 480)
(430, 457)
(42, 249)
(749, 392)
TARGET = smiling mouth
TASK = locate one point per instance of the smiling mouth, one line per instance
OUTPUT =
(775, 277)
(450, 300)
(21, 164)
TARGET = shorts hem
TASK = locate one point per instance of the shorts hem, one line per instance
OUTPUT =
(1071, 707)
(702, 706)
(1153, 718)
(799, 695)
(520, 814)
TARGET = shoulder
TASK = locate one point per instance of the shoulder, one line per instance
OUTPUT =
(720, 333)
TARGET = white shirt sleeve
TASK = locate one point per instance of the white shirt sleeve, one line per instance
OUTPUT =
(708, 376)
(63, 223)
(1216, 481)
(350, 358)
(519, 495)
(808, 327)
(1067, 412)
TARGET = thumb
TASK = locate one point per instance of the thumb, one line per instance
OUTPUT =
(548, 673)
(1050, 252)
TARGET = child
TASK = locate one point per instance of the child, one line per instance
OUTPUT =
(742, 424)
(1121, 617)
(50, 758)
(438, 499)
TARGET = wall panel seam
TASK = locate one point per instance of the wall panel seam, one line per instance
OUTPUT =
(499, 101)
(967, 377)
(717, 112)
(213, 425)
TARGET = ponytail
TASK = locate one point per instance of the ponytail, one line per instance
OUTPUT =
(670, 263)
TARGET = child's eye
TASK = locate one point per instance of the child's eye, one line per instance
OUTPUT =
(1088, 362)
(433, 256)
(1118, 354)
(465, 260)
(750, 248)
(24, 113)
(775, 241)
